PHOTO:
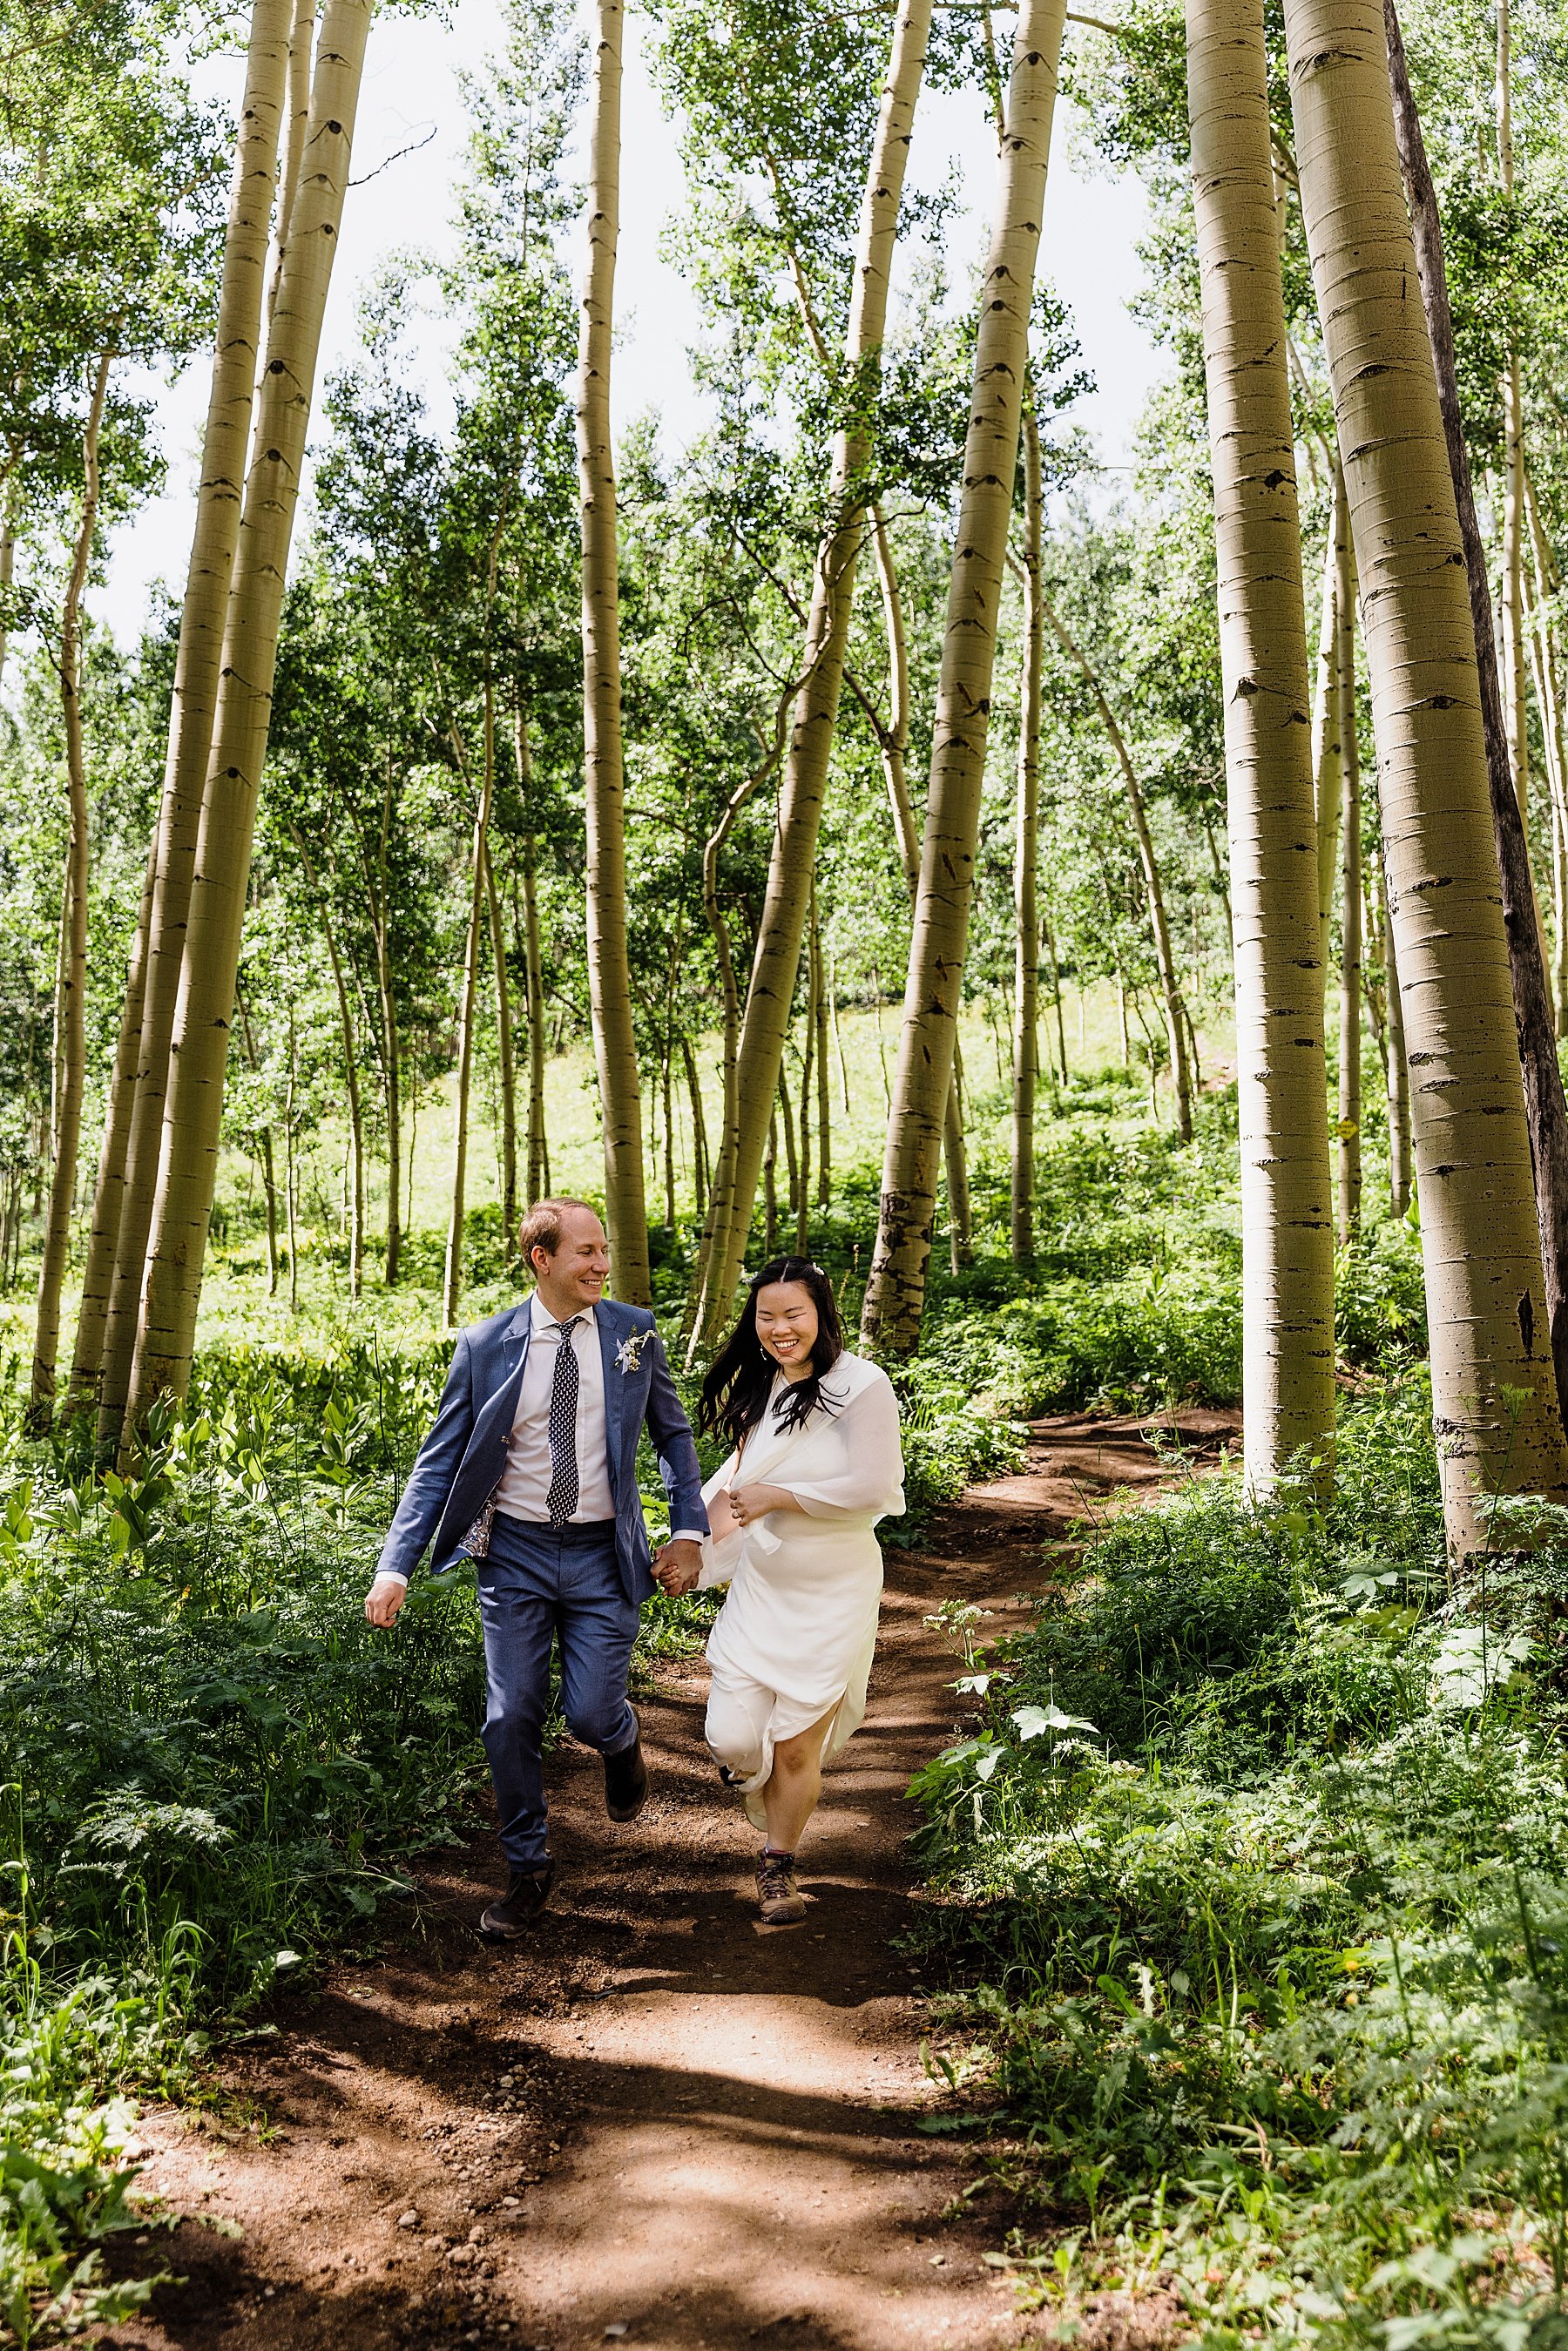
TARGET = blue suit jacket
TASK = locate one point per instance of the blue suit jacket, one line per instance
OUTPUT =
(461, 1461)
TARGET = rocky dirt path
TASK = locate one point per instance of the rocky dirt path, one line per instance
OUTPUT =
(658, 2122)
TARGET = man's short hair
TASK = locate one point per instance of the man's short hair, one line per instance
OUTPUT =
(540, 1228)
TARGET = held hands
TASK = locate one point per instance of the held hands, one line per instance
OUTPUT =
(677, 1567)
(385, 1599)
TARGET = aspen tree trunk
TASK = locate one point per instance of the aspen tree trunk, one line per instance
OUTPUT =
(289, 1175)
(1050, 939)
(1546, 1115)
(387, 995)
(807, 1060)
(609, 966)
(1165, 952)
(790, 867)
(791, 1159)
(467, 1017)
(824, 1070)
(301, 43)
(896, 1289)
(1350, 989)
(1287, 1235)
(770, 1190)
(69, 1076)
(194, 1110)
(351, 1075)
(105, 1339)
(1486, 1305)
(1398, 1066)
(1025, 912)
(1327, 705)
(507, 1055)
(1549, 693)
(93, 1314)
(893, 741)
(533, 964)
(699, 1127)
(843, 1067)
(1514, 700)
(10, 514)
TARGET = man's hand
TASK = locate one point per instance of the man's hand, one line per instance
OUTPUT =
(677, 1567)
(385, 1597)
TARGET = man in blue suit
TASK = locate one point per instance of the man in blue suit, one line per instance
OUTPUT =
(530, 1471)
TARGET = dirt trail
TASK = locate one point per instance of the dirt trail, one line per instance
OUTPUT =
(658, 2121)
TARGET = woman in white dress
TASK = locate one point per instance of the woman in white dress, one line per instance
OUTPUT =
(816, 1462)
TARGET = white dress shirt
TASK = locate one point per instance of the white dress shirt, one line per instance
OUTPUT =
(524, 1490)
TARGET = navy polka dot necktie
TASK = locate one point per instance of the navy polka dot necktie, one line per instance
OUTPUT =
(561, 1500)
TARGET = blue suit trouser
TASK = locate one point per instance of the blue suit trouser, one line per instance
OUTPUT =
(540, 1585)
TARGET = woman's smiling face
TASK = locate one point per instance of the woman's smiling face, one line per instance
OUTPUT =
(787, 1324)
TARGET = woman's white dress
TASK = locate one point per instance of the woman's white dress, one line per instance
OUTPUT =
(795, 1637)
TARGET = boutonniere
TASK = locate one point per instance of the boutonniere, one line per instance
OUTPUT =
(629, 1353)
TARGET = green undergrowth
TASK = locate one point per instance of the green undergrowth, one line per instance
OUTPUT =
(1256, 1879)
(215, 1774)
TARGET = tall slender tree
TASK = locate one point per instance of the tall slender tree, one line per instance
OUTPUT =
(1287, 1234)
(70, 1080)
(896, 1292)
(127, 1164)
(1494, 1392)
(1026, 846)
(1546, 1113)
(187, 1170)
(777, 956)
(609, 967)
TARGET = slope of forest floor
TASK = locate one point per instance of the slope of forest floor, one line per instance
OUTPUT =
(656, 2121)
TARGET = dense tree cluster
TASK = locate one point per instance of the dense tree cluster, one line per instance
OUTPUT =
(507, 738)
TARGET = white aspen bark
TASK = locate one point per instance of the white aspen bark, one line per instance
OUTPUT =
(1328, 773)
(69, 1076)
(507, 1054)
(194, 1110)
(896, 1292)
(108, 1190)
(1398, 1063)
(1494, 1393)
(790, 867)
(533, 966)
(467, 1008)
(301, 45)
(609, 969)
(824, 1068)
(351, 1073)
(1350, 899)
(1025, 912)
(198, 662)
(892, 740)
(1270, 757)
(1549, 694)
(10, 514)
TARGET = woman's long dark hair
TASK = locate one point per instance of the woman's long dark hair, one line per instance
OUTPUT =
(740, 1378)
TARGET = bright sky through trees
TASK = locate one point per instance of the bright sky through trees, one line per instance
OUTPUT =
(1094, 219)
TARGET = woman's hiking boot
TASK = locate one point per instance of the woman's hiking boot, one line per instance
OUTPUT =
(778, 1898)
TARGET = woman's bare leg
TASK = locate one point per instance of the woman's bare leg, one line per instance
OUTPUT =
(793, 1786)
